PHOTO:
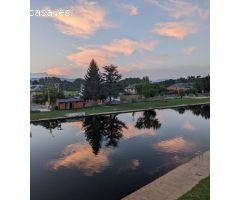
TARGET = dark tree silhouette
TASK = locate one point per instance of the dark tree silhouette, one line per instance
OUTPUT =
(111, 78)
(51, 125)
(94, 127)
(114, 129)
(103, 128)
(203, 110)
(180, 110)
(93, 81)
(148, 120)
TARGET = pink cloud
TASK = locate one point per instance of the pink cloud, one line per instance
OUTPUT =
(80, 156)
(130, 165)
(188, 126)
(132, 131)
(85, 19)
(86, 54)
(104, 53)
(189, 50)
(181, 8)
(178, 30)
(128, 47)
(131, 9)
(174, 145)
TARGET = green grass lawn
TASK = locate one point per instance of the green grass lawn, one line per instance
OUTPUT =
(120, 107)
(200, 192)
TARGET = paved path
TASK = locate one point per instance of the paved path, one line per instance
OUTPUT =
(175, 183)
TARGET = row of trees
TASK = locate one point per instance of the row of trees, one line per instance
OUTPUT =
(51, 92)
(63, 84)
(99, 85)
(202, 84)
(199, 85)
(96, 85)
(76, 84)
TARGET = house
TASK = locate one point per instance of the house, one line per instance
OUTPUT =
(35, 90)
(70, 103)
(180, 86)
(130, 89)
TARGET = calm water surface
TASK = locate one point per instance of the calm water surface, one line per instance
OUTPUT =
(108, 157)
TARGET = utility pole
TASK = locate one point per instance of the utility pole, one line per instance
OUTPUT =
(81, 90)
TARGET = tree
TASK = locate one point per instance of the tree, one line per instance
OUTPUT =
(150, 89)
(94, 128)
(206, 83)
(202, 84)
(114, 128)
(93, 81)
(146, 79)
(111, 78)
(35, 82)
(51, 125)
(49, 91)
(148, 120)
(99, 129)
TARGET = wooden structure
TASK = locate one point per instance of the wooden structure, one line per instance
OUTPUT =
(69, 104)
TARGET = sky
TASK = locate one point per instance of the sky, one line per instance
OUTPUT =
(156, 38)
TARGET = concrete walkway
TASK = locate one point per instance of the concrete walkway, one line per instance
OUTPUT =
(177, 182)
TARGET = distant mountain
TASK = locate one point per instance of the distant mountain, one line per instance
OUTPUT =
(37, 76)
(159, 80)
(68, 79)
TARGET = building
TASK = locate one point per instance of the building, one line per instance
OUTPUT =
(35, 90)
(68, 104)
(180, 86)
(130, 89)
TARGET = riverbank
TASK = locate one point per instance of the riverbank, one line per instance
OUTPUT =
(129, 107)
(199, 192)
(177, 182)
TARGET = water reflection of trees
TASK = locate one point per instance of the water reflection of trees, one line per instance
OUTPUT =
(50, 125)
(148, 120)
(103, 128)
(107, 128)
(114, 129)
(94, 131)
(198, 110)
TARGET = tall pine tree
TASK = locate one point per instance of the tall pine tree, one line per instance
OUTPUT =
(93, 81)
(111, 78)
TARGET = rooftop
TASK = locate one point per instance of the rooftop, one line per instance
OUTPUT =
(68, 100)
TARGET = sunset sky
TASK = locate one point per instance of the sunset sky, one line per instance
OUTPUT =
(158, 38)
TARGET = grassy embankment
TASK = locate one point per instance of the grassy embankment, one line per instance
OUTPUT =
(200, 192)
(120, 107)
